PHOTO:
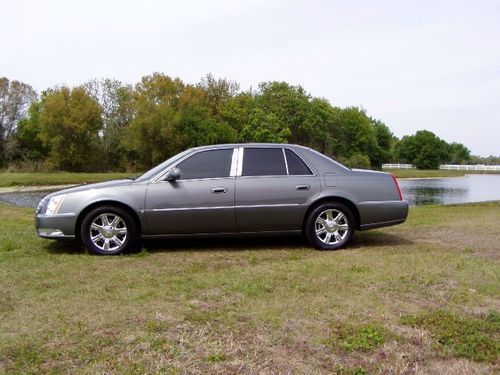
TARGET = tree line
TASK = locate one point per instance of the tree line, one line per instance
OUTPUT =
(107, 125)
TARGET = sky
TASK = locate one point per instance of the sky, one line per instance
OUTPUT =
(414, 65)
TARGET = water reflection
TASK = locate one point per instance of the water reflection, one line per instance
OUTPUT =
(467, 189)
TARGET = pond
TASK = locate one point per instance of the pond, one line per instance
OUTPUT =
(451, 190)
(24, 198)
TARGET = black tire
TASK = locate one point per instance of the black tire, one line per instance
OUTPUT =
(334, 231)
(120, 236)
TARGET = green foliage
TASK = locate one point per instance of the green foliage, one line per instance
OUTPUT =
(424, 149)
(69, 121)
(473, 338)
(364, 338)
(106, 124)
(458, 153)
(15, 99)
(28, 135)
(358, 161)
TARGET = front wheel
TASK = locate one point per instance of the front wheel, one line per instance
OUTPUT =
(330, 226)
(108, 230)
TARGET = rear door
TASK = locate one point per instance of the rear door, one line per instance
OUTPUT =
(273, 185)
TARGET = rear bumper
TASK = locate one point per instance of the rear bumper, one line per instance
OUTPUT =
(61, 226)
(376, 214)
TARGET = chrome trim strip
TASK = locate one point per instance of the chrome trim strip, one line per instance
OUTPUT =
(286, 162)
(234, 163)
(69, 214)
(239, 169)
(223, 207)
(382, 202)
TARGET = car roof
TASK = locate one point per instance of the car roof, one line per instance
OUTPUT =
(226, 145)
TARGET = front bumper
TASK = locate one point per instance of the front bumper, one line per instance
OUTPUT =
(59, 226)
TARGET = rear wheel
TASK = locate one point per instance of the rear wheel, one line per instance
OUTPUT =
(108, 230)
(330, 226)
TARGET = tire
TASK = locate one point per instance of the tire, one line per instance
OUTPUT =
(330, 226)
(108, 230)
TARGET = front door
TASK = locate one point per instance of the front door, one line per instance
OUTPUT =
(201, 201)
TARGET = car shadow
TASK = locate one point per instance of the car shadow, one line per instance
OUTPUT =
(360, 240)
(378, 239)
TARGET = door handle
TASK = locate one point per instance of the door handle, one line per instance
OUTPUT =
(302, 187)
(217, 190)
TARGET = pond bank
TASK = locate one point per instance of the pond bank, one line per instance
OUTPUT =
(35, 188)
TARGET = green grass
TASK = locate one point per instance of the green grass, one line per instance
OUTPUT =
(477, 338)
(42, 179)
(364, 337)
(432, 173)
(257, 305)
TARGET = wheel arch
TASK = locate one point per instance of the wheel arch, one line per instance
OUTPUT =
(328, 199)
(113, 203)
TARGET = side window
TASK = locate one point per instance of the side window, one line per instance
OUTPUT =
(263, 162)
(295, 164)
(207, 164)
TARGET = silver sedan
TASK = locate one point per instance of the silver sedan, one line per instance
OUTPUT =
(227, 190)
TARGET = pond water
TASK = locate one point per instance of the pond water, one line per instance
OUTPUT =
(451, 190)
(467, 189)
(24, 198)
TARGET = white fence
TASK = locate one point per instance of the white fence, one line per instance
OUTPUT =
(397, 166)
(477, 167)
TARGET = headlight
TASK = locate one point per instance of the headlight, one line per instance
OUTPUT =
(54, 204)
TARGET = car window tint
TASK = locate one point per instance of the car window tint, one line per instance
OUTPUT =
(263, 162)
(207, 164)
(295, 164)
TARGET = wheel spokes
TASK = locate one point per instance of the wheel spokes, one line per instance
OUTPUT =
(108, 232)
(331, 226)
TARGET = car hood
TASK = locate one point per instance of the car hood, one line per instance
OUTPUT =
(99, 185)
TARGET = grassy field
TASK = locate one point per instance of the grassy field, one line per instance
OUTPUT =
(62, 178)
(422, 297)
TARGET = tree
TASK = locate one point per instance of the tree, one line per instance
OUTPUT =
(116, 102)
(15, 99)
(69, 122)
(320, 121)
(423, 149)
(353, 133)
(196, 123)
(219, 93)
(286, 106)
(28, 136)
(458, 153)
(152, 135)
(384, 149)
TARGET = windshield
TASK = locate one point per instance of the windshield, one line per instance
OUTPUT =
(154, 171)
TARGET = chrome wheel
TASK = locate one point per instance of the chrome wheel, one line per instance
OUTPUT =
(108, 232)
(331, 226)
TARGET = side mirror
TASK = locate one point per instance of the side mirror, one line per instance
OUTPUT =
(174, 174)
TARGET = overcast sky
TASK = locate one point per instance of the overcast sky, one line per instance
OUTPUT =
(426, 64)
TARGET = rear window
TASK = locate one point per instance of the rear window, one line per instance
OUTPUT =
(263, 162)
(295, 164)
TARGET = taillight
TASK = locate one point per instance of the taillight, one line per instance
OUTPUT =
(397, 185)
